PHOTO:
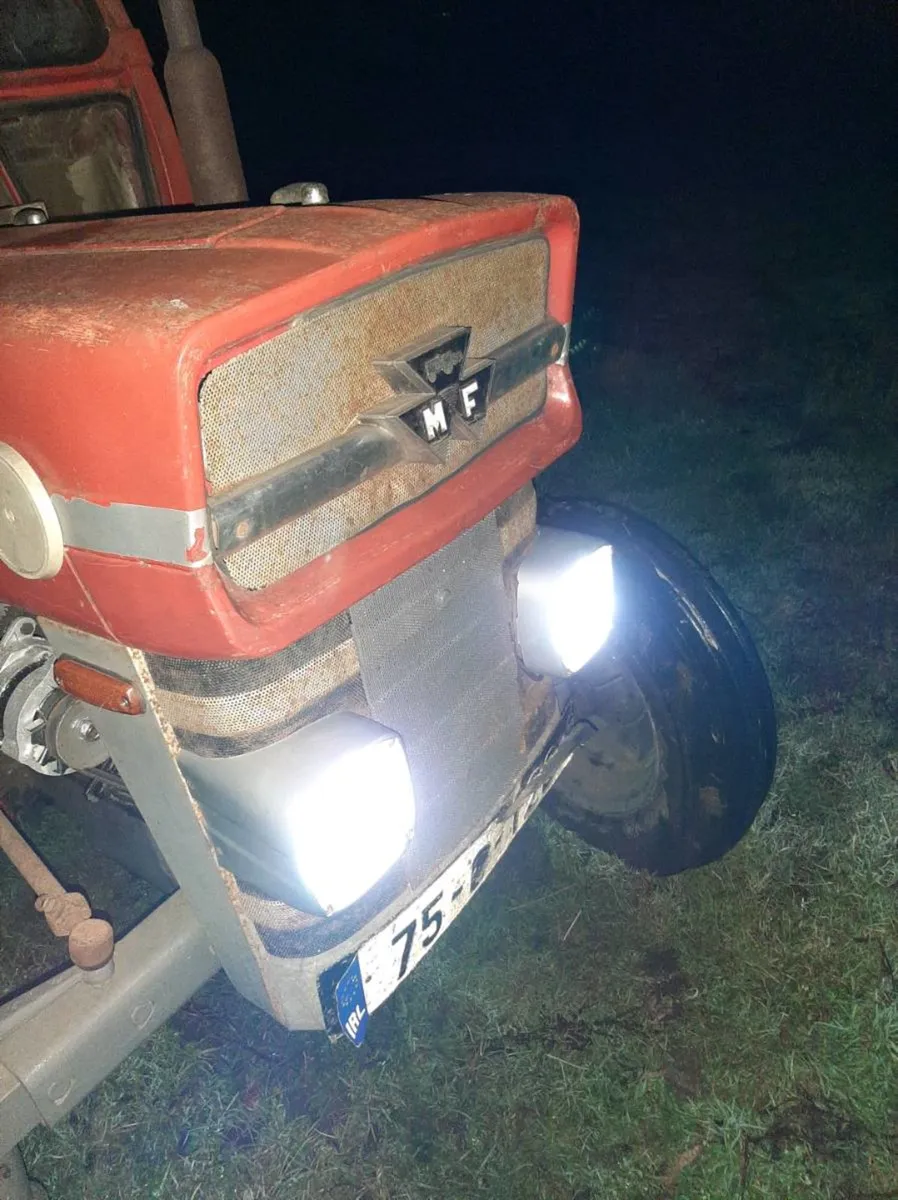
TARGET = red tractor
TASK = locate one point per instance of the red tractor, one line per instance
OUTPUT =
(283, 624)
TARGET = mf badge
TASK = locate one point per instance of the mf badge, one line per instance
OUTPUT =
(440, 394)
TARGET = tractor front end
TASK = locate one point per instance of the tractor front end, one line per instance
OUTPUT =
(280, 624)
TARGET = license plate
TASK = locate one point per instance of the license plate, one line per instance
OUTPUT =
(385, 960)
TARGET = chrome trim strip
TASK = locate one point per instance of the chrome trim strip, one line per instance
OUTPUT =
(566, 352)
(167, 535)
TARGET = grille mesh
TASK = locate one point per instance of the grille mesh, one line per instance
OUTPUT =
(226, 707)
(448, 685)
(309, 383)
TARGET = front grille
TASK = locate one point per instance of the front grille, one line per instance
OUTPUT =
(439, 666)
(431, 655)
(308, 384)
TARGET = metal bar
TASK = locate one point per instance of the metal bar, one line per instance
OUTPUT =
(145, 753)
(30, 866)
(526, 355)
(52, 1057)
(24, 1006)
(247, 512)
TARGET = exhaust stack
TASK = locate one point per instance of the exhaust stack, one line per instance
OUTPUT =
(199, 103)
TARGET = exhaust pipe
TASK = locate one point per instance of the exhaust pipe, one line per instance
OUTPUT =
(199, 104)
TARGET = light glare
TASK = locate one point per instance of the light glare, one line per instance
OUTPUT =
(565, 601)
(581, 609)
(352, 821)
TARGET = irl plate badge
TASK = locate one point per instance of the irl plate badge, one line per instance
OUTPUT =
(352, 1007)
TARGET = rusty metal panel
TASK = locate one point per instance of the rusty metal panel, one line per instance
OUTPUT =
(439, 666)
(307, 385)
(516, 519)
(225, 707)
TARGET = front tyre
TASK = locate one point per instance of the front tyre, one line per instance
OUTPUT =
(682, 745)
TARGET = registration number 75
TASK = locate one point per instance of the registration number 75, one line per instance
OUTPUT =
(427, 927)
(390, 955)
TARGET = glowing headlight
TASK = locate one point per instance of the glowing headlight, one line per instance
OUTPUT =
(351, 822)
(315, 819)
(565, 600)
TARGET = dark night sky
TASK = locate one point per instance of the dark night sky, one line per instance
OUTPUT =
(617, 96)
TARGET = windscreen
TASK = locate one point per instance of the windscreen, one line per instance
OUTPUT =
(49, 33)
(80, 156)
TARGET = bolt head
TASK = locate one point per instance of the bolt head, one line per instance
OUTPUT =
(91, 944)
(86, 729)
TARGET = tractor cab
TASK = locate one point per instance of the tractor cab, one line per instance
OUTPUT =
(83, 127)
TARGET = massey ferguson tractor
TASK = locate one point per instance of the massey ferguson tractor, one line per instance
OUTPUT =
(282, 623)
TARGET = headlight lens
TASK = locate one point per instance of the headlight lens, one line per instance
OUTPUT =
(565, 601)
(352, 820)
(315, 819)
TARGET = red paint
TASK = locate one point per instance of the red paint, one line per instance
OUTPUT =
(108, 329)
(123, 69)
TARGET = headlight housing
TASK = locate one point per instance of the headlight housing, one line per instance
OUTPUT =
(316, 819)
(565, 601)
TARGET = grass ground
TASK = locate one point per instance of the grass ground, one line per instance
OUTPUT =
(584, 1031)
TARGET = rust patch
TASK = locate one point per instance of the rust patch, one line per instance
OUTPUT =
(516, 519)
(710, 800)
(198, 550)
(685, 678)
(259, 708)
(148, 688)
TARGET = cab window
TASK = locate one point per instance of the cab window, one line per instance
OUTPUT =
(78, 156)
(50, 33)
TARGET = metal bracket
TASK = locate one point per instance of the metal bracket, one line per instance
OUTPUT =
(144, 750)
(62, 1038)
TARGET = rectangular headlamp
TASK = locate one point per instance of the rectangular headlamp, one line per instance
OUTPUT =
(315, 819)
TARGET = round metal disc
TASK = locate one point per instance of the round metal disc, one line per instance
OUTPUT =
(75, 740)
(30, 535)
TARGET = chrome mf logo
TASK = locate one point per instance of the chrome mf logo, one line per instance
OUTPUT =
(440, 394)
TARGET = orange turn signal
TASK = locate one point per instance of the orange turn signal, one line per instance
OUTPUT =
(97, 687)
